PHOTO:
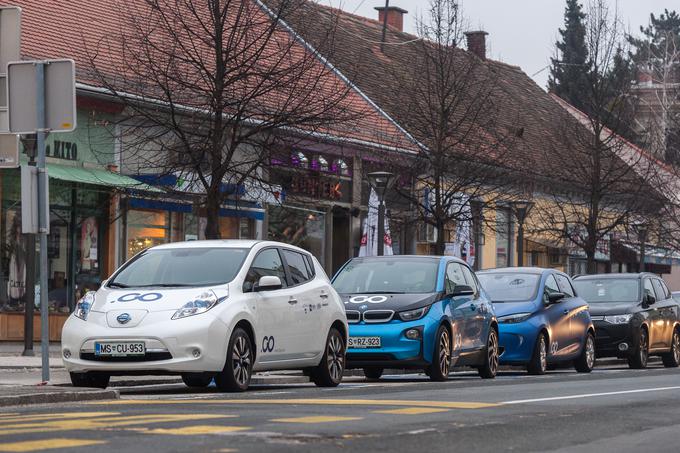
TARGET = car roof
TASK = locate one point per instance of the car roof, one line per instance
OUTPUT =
(513, 270)
(630, 276)
(225, 243)
(411, 257)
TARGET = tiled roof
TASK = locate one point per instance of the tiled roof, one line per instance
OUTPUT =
(82, 29)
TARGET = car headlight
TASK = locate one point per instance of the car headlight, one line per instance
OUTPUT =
(412, 315)
(199, 304)
(515, 318)
(618, 319)
(84, 305)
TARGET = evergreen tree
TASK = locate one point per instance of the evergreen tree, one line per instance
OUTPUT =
(570, 65)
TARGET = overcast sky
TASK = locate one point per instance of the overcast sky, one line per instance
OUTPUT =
(521, 32)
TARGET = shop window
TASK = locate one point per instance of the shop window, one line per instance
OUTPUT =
(146, 229)
(300, 227)
(502, 238)
(340, 167)
(323, 164)
(246, 228)
(300, 160)
(229, 227)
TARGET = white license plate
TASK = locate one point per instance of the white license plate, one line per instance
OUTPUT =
(119, 349)
(364, 342)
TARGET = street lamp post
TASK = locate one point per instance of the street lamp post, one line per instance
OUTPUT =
(381, 182)
(521, 209)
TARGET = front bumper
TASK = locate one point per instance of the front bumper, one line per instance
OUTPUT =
(396, 351)
(517, 342)
(171, 345)
(609, 338)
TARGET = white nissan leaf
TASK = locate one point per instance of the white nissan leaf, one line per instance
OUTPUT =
(209, 309)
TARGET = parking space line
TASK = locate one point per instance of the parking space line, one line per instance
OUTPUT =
(193, 430)
(48, 444)
(312, 401)
(411, 411)
(590, 395)
(70, 415)
(315, 419)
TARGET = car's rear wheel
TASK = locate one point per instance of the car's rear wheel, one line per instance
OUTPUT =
(197, 380)
(671, 359)
(330, 370)
(235, 377)
(586, 361)
(539, 359)
(90, 379)
(489, 368)
(373, 374)
(641, 354)
(441, 356)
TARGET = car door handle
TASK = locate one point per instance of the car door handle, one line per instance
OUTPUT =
(292, 301)
(473, 307)
(566, 312)
(323, 295)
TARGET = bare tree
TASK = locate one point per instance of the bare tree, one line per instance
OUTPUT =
(448, 99)
(212, 87)
(604, 184)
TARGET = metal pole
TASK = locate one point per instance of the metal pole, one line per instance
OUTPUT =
(381, 227)
(642, 254)
(520, 243)
(29, 295)
(43, 204)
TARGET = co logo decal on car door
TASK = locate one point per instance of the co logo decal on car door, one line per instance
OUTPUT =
(146, 297)
(368, 299)
(268, 344)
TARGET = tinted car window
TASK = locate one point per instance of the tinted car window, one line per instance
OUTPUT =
(551, 285)
(454, 277)
(388, 275)
(181, 267)
(565, 285)
(267, 262)
(297, 267)
(510, 287)
(648, 288)
(608, 290)
(666, 290)
(469, 277)
(658, 289)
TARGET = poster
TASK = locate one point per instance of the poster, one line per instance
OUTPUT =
(88, 244)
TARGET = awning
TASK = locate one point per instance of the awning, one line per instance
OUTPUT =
(97, 177)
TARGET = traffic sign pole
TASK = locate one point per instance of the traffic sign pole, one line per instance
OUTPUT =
(43, 217)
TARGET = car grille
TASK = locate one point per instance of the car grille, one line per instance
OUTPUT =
(378, 357)
(148, 357)
(353, 316)
(377, 316)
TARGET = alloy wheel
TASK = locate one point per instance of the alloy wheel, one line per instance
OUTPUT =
(492, 351)
(543, 354)
(444, 353)
(241, 360)
(335, 357)
(676, 346)
(643, 348)
(590, 352)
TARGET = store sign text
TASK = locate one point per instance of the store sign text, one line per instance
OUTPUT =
(62, 150)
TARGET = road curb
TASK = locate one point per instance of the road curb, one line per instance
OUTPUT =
(47, 397)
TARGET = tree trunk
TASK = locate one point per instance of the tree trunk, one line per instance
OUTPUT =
(440, 245)
(591, 264)
(212, 227)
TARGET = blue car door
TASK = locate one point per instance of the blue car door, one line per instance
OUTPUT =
(480, 313)
(460, 307)
(577, 313)
(558, 318)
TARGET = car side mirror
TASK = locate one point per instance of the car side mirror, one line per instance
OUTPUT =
(268, 283)
(554, 298)
(649, 299)
(462, 290)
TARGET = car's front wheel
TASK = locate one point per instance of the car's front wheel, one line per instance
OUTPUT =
(90, 379)
(489, 368)
(441, 357)
(197, 380)
(671, 359)
(330, 370)
(373, 374)
(641, 354)
(539, 359)
(586, 361)
(235, 377)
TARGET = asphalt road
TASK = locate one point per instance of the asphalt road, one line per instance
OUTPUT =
(612, 409)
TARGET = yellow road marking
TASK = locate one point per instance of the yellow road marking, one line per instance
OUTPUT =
(48, 444)
(102, 423)
(195, 430)
(411, 411)
(311, 401)
(7, 414)
(70, 415)
(316, 419)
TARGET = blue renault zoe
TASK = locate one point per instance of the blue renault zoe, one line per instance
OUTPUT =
(541, 320)
(417, 312)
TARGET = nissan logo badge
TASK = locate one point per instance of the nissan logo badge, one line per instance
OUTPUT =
(123, 318)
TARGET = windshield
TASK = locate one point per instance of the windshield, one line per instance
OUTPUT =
(181, 267)
(510, 287)
(608, 290)
(388, 275)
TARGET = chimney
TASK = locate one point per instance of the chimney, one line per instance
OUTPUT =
(395, 16)
(476, 43)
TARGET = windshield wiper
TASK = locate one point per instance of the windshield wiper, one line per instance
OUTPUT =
(382, 292)
(117, 285)
(165, 285)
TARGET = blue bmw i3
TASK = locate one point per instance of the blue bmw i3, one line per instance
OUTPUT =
(541, 320)
(417, 312)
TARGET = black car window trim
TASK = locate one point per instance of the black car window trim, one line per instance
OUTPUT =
(643, 289)
(658, 288)
(559, 276)
(669, 294)
(250, 266)
(446, 275)
(287, 267)
(474, 284)
(310, 264)
(545, 286)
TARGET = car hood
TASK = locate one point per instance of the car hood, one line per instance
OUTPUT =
(510, 308)
(396, 302)
(613, 308)
(150, 299)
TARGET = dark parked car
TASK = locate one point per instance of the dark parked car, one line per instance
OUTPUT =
(635, 316)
